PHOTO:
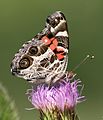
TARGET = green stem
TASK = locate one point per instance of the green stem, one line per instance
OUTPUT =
(58, 115)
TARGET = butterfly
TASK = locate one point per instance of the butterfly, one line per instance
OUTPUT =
(45, 57)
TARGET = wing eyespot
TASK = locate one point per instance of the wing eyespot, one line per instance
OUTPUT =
(25, 62)
(33, 51)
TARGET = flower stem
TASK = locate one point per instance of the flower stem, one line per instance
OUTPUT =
(58, 115)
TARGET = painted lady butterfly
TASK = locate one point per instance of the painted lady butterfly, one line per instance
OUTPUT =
(45, 57)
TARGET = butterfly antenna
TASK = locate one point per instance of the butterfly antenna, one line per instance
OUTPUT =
(83, 61)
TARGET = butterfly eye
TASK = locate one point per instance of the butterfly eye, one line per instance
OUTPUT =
(24, 63)
(33, 50)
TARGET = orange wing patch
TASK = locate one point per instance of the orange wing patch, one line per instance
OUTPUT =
(52, 44)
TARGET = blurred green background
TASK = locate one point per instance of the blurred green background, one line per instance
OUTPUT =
(20, 20)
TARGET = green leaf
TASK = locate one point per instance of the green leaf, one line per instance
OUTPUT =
(7, 107)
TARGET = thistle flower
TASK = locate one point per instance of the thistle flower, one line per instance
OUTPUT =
(57, 102)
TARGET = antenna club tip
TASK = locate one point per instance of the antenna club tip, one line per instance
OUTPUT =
(92, 57)
(88, 56)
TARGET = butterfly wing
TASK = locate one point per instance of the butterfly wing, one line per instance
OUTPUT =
(45, 57)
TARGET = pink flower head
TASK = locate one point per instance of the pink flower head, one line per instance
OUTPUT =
(64, 95)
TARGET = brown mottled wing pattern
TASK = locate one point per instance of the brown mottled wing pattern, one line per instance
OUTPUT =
(45, 57)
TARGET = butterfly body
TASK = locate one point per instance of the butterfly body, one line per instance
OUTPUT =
(45, 57)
